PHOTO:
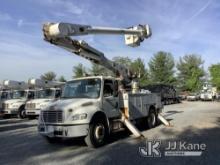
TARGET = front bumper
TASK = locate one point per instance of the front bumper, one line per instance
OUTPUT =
(32, 112)
(64, 131)
(206, 99)
(191, 99)
(10, 111)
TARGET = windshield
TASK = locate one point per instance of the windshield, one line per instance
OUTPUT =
(46, 93)
(88, 88)
(5, 95)
(19, 94)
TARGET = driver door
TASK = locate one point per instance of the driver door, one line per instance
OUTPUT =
(110, 99)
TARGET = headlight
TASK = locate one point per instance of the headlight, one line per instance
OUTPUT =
(14, 105)
(43, 106)
(79, 116)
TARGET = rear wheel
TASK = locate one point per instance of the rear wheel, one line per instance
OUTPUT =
(152, 119)
(98, 133)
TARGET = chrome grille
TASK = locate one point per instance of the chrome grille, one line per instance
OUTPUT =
(5, 106)
(52, 116)
(30, 106)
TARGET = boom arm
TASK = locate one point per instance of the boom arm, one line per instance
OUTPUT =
(59, 34)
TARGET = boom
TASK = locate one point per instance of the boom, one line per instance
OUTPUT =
(59, 34)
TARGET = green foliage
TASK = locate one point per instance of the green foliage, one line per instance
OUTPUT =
(215, 75)
(49, 76)
(62, 79)
(138, 67)
(79, 71)
(100, 70)
(123, 61)
(190, 72)
(161, 68)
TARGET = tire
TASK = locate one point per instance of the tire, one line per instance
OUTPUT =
(21, 113)
(152, 119)
(97, 134)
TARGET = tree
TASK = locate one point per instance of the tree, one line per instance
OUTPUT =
(62, 79)
(190, 72)
(138, 67)
(215, 75)
(49, 76)
(123, 61)
(100, 70)
(79, 71)
(161, 68)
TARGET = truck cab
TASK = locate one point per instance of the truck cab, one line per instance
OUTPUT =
(4, 95)
(91, 107)
(16, 104)
(206, 95)
(42, 99)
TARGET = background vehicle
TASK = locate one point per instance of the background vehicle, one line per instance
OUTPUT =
(5, 94)
(193, 97)
(207, 96)
(50, 91)
(94, 107)
(208, 92)
(20, 95)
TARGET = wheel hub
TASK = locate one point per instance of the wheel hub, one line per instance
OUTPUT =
(151, 119)
(99, 132)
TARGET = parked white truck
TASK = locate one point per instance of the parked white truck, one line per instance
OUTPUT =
(208, 92)
(94, 107)
(48, 92)
(5, 94)
(20, 95)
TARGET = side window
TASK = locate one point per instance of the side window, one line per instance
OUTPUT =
(108, 88)
(30, 95)
(57, 94)
(115, 88)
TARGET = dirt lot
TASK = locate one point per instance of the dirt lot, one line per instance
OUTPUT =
(193, 122)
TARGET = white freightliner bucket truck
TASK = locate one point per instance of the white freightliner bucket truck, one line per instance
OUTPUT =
(19, 96)
(94, 107)
(48, 92)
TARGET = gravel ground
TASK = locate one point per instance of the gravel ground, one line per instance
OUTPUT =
(192, 122)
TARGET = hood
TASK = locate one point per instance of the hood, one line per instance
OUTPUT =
(14, 101)
(70, 103)
(36, 101)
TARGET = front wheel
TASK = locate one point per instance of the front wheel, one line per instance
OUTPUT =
(97, 133)
(21, 113)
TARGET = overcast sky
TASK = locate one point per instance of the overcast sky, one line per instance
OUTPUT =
(178, 27)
